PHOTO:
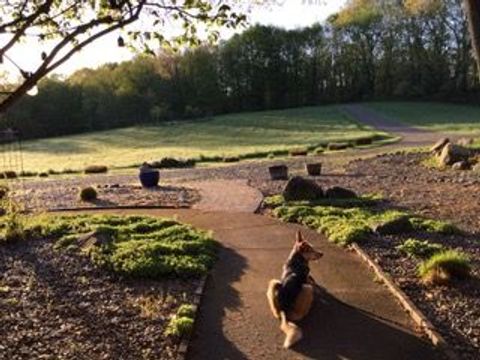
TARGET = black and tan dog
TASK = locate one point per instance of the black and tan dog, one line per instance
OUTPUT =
(290, 299)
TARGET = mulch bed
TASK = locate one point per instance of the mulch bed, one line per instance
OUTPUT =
(112, 191)
(454, 310)
(57, 305)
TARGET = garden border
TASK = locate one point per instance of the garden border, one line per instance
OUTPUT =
(197, 299)
(415, 313)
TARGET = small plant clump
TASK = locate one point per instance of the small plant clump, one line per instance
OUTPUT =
(88, 194)
(182, 323)
(419, 249)
(443, 267)
(434, 226)
(96, 169)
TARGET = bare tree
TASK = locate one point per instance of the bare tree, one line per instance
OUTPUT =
(472, 10)
(65, 27)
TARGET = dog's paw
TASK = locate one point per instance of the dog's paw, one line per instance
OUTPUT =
(293, 338)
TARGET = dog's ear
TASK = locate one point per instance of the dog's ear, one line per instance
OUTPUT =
(299, 238)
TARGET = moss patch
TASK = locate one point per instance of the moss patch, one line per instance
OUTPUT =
(419, 249)
(141, 247)
(345, 221)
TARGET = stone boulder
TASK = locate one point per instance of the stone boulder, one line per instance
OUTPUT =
(465, 141)
(439, 145)
(453, 153)
(338, 192)
(299, 188)
(396, 226)
(476, 168)
(460, 165)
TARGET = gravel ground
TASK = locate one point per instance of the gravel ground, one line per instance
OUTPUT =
(56, 305)
(454, 310)
(112, 191)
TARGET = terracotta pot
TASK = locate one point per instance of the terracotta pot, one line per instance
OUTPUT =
(314, 169)
(278, 172)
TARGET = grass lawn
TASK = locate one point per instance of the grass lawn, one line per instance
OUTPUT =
(433, 116)
(226, 135)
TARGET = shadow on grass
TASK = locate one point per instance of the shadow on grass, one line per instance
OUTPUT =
(209, 340)
(335, 330)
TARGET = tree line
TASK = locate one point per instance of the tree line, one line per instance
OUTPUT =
(370, 50)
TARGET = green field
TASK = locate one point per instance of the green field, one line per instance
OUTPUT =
(433, 116)
(226, 135)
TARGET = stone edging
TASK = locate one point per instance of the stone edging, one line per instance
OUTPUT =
(197, 298)
(417, 316)
(118, 207)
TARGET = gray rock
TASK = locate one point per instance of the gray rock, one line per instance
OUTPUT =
(465, 141)
(453, 153)
(298, 189)
(460, 165)
(338, 192)
(400, 225)
(439, 145)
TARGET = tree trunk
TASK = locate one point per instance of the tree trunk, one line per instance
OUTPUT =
(472, 10)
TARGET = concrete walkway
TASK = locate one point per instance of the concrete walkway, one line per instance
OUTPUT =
(355, 318)
(226, 195)
(411, 136)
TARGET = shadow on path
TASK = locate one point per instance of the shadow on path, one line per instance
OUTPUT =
(219, 297)
(335, 330)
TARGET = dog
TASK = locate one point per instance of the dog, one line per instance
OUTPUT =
(291, 298)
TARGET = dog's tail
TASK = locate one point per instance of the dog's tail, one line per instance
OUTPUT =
(272, 296)
(292, 332)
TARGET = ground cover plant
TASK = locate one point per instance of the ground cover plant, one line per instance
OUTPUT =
(442, 117)
(345, 221)
(238, 135)
(133, 246)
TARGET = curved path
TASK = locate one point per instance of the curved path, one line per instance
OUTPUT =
(411, 136)
(354, 318)
(226, 195)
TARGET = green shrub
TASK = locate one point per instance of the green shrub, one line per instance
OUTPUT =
(434, 226)
(13, 226)
(65, 241)
(186, 310)
(179, 326)
(444, 266)
(419, 249)
(96, 169)
(319, 150)
(274, 201)
(8, 175)
(43, 174)
(3, 192)
(88, 194)
(231, 159)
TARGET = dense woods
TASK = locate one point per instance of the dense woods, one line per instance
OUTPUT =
(369, 50)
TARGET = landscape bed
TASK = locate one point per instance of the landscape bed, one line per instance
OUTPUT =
(111, 191)
(72, 280)
(453, 308)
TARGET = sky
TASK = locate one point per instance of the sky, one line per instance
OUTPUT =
(284, 13)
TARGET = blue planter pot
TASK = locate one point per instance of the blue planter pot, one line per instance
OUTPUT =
(149, 178)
